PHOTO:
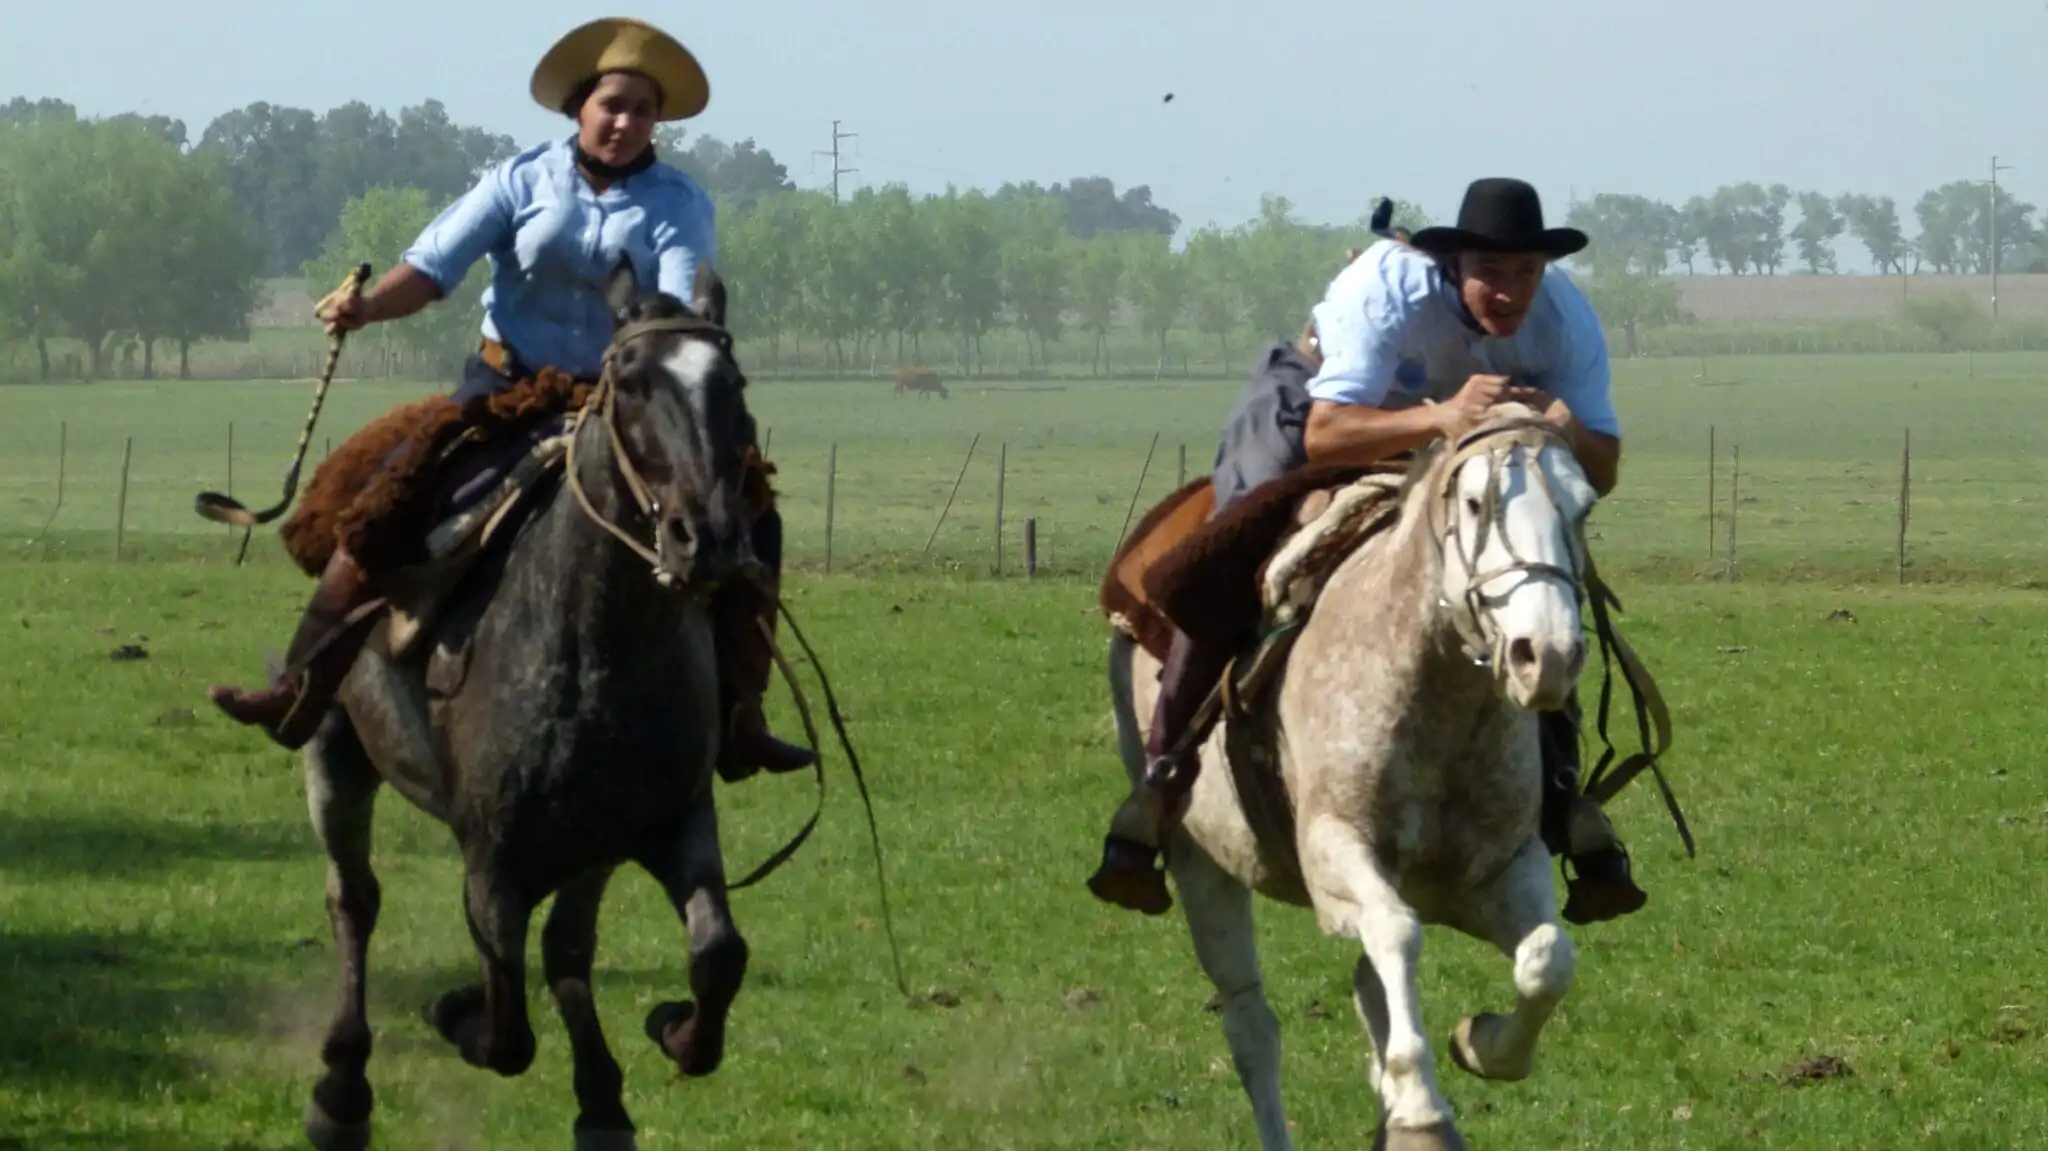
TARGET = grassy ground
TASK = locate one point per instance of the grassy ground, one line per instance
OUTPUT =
(1859, 894)
(1864, 888)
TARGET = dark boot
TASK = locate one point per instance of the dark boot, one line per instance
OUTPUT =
(1599, 884)
(746, 664)
(1129, 875)
(338, 620)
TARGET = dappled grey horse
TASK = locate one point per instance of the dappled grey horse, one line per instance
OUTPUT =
(1403, 729)
(565, 721)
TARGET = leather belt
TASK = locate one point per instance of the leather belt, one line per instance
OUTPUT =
(498, 357)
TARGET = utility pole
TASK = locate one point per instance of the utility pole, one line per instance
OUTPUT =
(838, 171)
(1991, 216)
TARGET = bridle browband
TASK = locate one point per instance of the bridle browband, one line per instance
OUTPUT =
(1495, 441)
(604, 401)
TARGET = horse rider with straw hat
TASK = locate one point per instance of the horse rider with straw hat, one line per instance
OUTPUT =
(553, 221)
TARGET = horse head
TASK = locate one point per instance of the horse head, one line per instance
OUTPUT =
(1509, 518)
(672, 401)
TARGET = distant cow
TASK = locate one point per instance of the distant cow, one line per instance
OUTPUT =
(923, 381)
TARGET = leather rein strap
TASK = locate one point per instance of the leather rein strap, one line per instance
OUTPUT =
(604, 400)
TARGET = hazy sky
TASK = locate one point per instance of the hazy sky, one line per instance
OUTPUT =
(1330, 102)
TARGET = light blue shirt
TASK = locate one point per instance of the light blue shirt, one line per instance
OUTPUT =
(1393, 333)
(552, 240)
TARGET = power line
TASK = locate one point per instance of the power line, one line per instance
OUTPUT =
(837, 170)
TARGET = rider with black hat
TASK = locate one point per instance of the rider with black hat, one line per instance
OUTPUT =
(1413, 341)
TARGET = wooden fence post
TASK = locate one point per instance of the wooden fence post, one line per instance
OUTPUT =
(1734, 504)
(1030, 549)
(121, 502)
(1905, 499)
(1002, 477)
(1713, 464)
(949, 495)
(831, 492)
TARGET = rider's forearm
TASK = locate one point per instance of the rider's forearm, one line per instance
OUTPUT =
(1356, 435)
(1599, 455)
(403, 291)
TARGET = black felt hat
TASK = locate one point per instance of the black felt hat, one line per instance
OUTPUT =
(1500, 215)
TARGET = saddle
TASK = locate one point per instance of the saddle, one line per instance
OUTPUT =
(486, 496)
(1248, 578)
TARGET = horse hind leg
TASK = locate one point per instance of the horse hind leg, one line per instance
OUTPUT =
(488, 1024)
(692, 871)
(341, 794)
(1219, 915)
(1353, 890)
(568, 947)
(1518, 914)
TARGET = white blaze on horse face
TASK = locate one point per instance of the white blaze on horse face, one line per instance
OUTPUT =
(1531, 615)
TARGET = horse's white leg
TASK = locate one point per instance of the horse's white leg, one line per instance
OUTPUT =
(1219, 914)
(1354, 895)
(1518, 913)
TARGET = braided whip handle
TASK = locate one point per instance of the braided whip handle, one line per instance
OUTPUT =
(222, 508)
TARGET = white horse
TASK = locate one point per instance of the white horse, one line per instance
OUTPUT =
(1403, 728)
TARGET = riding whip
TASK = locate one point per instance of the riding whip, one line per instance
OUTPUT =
(225, 509)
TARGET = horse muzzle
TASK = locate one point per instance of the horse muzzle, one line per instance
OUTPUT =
(1541, 672)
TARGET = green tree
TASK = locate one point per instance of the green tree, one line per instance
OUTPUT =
(1035, 272)
(1874, 221)
(207, 263)
(1098, 283)
(967, 243)
(1632, 301)
(1156, 281)
(1215, 270)
(1820, 221)
(761, 252)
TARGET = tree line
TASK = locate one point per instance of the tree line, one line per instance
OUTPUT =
(123, 233)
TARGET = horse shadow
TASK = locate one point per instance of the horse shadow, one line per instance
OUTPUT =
(71, 845)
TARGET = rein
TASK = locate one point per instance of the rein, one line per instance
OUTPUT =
(1653, 716)
(604, 401)
(1534, 434)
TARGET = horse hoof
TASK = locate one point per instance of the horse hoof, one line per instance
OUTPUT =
(1435, 1137)
(1476, 1034)
(687, 1036)
(605, 1141)
(327, 1135)
(458, 1017)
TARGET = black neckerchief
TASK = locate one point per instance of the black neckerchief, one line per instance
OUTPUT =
(613, 172)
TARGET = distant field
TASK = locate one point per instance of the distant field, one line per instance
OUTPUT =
(1788, 296)
(1820, 438)
(1791, 297)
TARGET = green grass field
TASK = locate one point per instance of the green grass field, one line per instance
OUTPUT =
(1865, 887)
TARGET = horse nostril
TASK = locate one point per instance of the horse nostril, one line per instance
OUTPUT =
(1522, 654)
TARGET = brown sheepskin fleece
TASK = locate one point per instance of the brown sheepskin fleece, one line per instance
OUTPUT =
(1208, 584)
(375, 494)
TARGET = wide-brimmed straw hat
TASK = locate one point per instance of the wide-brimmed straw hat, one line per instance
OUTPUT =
(622, 44)
(1500, 215)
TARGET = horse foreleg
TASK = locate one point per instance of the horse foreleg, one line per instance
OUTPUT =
(1219, 914)
(568, 947)
(488, 1024)
(1354, 895)
(1518, 914)
(341, 794)
(692, 871)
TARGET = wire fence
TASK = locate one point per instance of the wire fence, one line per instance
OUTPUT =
(1035, 510)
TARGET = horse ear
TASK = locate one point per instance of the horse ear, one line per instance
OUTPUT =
(707, 294)
(621, 289)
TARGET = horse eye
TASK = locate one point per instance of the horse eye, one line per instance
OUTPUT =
(1472, 504)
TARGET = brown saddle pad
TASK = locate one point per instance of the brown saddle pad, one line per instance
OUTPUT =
(1182, 569)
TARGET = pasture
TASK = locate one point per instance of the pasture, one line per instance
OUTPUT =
(1852, 961)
